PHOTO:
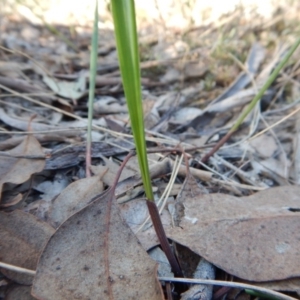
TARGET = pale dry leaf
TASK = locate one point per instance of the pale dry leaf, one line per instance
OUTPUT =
(239, 99)
(51, 188)
(185, 114)
(135, 213)
(94, 255)
(204, 270)
(263, 145)
(68, 89)
(39, 208)
(108, 105)
(22, 239)
(73, 198)
(189, 189)
(110, 170)
(23, 124)
(151, 115)
(255, 238)
(156, 170)
(279, 165)
(18, 170)
(164, 268)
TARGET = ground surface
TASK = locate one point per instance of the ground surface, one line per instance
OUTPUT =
(239, 211)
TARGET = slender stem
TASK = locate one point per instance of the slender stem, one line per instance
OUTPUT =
(252, 104)
(159, 229)
(217, 146)
(229, 284)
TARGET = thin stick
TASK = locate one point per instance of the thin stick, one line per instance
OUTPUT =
(229, 284)
(17, 269)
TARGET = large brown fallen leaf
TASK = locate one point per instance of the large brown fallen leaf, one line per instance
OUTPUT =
(17, 170)
(256, 238)
(22, 239)
(21, 292)
(94, 255)
(73, 198)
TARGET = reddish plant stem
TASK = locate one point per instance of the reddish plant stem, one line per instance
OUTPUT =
(88, 160)
(217, 146)
(159, 229)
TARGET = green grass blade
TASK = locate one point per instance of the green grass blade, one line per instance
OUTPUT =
(93, 72)
(268, 83)
(127, 46)
(252, 104)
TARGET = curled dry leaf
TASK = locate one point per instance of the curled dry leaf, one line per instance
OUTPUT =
(255, 238)
(11, 201)
(22, 239)
(17, 170)
(94, 255)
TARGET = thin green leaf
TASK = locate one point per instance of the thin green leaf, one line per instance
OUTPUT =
(268, 83)
(252, 104)
(127, 46)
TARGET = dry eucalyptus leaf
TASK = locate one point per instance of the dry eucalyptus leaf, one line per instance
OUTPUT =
(185, 114)
(290, 284)
(50, 189)
(110, 170)
(22, 239)
(20, 292)
(94, 255)
(189, 189)
(264, 146)
(18, 170)
(67, 89)
(108, 105)
(73, 198)
(13, 69)
(256, 238)
(22, 124)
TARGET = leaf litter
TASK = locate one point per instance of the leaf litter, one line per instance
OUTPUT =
(110, 263)
(259, 231)
(15, 160)
(22, 239)
(192, 94)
